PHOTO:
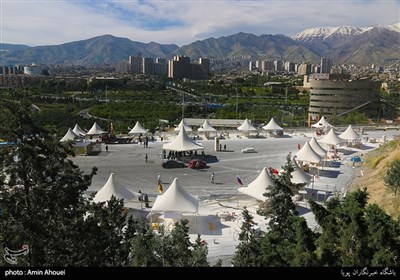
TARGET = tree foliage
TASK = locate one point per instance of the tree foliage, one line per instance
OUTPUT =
(392, 178)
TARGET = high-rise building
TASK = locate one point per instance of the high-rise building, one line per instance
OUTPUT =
(205, 65)
(179, 67)
(136, 63)
(148, 66)
(326, 65)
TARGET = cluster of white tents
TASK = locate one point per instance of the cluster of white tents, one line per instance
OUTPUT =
(246, 127)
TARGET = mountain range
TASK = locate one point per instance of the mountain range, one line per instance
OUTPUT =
(345, 45)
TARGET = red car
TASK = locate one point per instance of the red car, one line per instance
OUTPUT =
(197, 164)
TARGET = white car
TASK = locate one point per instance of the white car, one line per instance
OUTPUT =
(249, 150)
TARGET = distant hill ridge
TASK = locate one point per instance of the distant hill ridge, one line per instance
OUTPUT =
(345, 44)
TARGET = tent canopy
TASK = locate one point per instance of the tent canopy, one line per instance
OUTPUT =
(69, 136)
(322, 123)
(307, 154)
(272, 125)
(78, 131)
(298, 174)
(331, 138)
(113, 187)
(138, 129)
(258, 187)
(350, 134)
(182, 142)
(246, 126)
(206, 127)
(176, 199)
(183, 123)
(317, 147)
(95, 130)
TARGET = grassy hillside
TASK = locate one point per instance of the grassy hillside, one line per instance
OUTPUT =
(375, 168)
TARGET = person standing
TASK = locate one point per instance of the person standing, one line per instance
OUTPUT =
(146, 157)
(159, 178)
(212, 178)
(107, 148)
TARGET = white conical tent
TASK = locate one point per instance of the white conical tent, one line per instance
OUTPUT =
(246, 126)
(138, 129)
(176, 199)
(183, 123)
(331, 138)
(206, 127)
(182, 142)
(272, 125)
(69, 136)
(258, 187)
(317, 147)
(78, 131)
(349, 134)
(298, 174)
(113, 187)
(95, 130)
(307, 154)
(322, 123)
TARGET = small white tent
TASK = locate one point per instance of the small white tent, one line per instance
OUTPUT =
(138, 129)
(206, 127)
(317, 147)
(95, 130)
(307, 154)
(183, 123)
(78, 131)
(113, 187)
(331, 138)
(298, 174)
(176, 199)
(272, 125)
(322, 123)
(258, 187)
(350, 134)
(246, 126)
(69, 136)
(182, 142)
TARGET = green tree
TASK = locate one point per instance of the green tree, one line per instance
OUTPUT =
(392, 178)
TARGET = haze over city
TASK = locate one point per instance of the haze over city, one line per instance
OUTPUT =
(35, 22)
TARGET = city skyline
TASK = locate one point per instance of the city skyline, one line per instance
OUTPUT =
(43, 22)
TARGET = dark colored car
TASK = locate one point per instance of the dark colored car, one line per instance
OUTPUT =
(171, 163)
(197, 164)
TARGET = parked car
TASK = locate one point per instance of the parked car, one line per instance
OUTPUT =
(249, 150)
(172, 163)
(197, 164)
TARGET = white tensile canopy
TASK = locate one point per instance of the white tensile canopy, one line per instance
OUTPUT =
(176, 199)
(78, 131)
(113, 188)
(272, 125)
(317, 147)
(95, 130)
(69, 136)
(307, 154)
(206, 127)
(138, 129)
(331, 138)
(258, 187)
(182, 142)
(246, 126)
(187, 128)
(322, 123)
(298, 174)
(349, 134)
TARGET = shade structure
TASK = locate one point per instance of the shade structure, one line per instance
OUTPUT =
(78, 131)
(113, 188)
(272, 125)
(95, 130)
(317, 147)
(258, 187)
(322, 123)
(206, 127)
(69, 136)
(349, 134)
(331, 138)
(307, 154)
(246, 126)
(176, 199)
(298, 174)
(138, 129)
(183, 123)
(182, 142)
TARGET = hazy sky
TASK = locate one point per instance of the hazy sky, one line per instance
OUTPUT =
(36, 22)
